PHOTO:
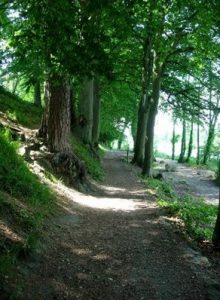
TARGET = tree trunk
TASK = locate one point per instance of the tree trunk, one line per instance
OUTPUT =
(211, 133)
(183, 143)
(37, 94)
(96, 113)
(149, 141)
(86, 112)
(148, 157)
(134, 130)
(121, 137)
(144, 106)
(216, 233)
(190, 147)
(44, 121)
(73, 115)
(119, 143)
(198, 145)
(210, 139)
(140, 136)
(58, 114)
(15, 85)
(173, 139)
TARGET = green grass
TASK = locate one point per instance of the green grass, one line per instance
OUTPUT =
(92, 164)
(23, 112)
(161, 155)
(24, 203)
(212, 164)
(198, 216)
(15, 177)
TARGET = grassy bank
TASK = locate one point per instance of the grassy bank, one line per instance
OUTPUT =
(93, 164)
(24, 204)
(23, 112)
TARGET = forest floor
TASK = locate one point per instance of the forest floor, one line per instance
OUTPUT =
(115, 244)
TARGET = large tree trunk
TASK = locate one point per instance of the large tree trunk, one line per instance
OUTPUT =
(190, 147)
(59, 114)
(96, 113)
(55, 128)
(86, 111)
(148, 158)
(183, 142)
(144, 105)
(73, 114)
(141, 133)
(37, 94)
(149, 141)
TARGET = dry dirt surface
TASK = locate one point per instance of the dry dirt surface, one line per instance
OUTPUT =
(115, 245)
(193, 181)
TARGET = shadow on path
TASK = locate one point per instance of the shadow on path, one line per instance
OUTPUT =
(114, 245)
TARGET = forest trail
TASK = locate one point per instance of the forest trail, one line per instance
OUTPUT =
(115, 245)
(193, 181)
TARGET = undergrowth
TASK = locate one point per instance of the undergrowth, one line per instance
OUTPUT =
(198, 216)
(23, 112)
(24, 203)
(212, 164)
(93, 165)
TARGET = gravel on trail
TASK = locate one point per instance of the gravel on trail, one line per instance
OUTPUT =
(115, 245)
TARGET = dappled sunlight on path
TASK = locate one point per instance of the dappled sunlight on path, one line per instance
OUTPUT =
(117, 192)
(103, 202)
(114, 244)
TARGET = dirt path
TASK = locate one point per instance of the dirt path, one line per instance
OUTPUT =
(115, 245)
(194, 181)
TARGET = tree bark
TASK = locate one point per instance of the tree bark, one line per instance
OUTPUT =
(209, 142)
(144, 104)
(58, 114)
(148, 157)
(211, 134)
(190, 147)
(198, 145)
(85, 127)
(173, 139)
(96, 113)
(37, 94)
(216, 232)
(140, 135)
(73, 115)
(134, 130)
(183, 142)
(44, 121)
